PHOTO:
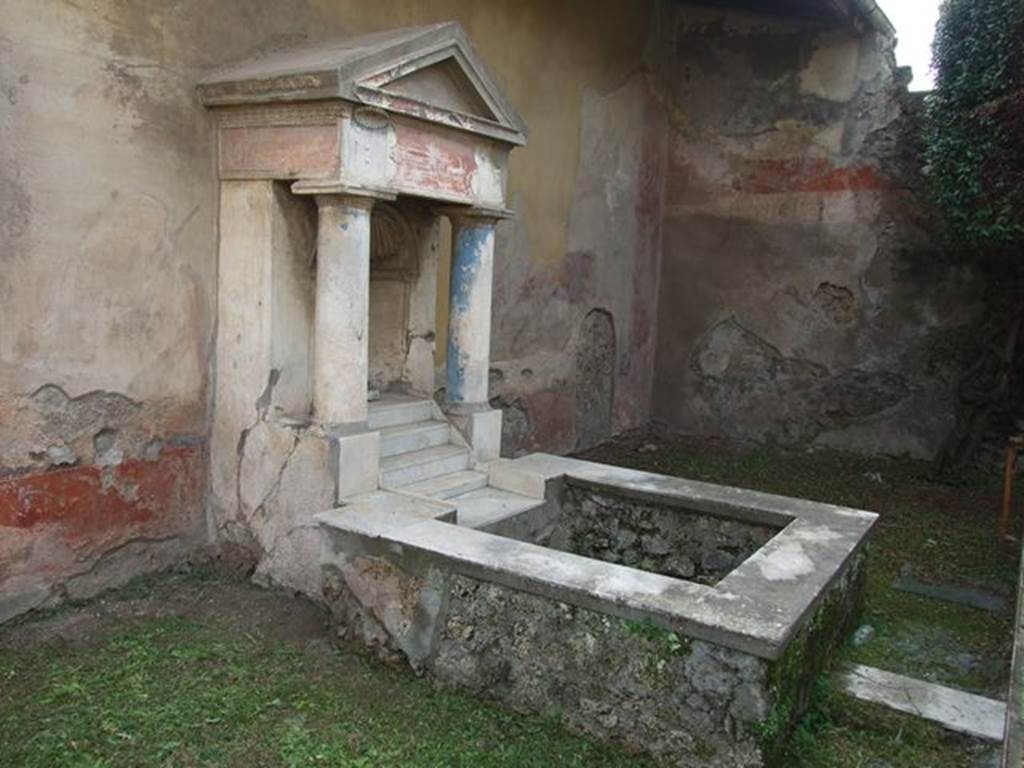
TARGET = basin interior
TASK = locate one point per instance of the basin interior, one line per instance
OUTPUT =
(656, 535)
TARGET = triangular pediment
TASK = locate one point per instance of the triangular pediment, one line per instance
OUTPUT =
(437, 71)
(445, 85)
(432, 73)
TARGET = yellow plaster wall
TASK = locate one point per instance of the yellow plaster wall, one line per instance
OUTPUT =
(107, 184)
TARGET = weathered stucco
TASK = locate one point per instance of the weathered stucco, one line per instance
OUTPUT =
(108, 210)
(801, 300)
(611, 266)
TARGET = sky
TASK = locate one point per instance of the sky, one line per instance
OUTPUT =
(915, 26)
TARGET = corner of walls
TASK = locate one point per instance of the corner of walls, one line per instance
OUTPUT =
(798, 303)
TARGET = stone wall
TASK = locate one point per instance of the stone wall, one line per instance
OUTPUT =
(673, 541)
(801, 297)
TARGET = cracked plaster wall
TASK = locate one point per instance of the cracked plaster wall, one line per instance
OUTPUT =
(544, 337)
(108, 260)
(801, 297)
(270, 467)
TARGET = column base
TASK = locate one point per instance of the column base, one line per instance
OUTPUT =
(464, 409)
(481, 429)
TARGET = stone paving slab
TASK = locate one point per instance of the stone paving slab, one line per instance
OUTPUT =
(956, 710)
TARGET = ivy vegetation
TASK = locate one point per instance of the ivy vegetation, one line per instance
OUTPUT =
(975, 126)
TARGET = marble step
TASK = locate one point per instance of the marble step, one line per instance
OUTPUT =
(404, 438)
(446, 486)
(489, 505)
(406, 468)
(394, 411)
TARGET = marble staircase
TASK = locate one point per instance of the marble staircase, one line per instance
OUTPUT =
(422, 455)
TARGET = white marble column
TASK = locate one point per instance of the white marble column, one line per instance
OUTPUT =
(340, 338)
(469, 318)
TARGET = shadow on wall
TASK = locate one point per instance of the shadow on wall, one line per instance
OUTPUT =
(595, 379)
(576, 411)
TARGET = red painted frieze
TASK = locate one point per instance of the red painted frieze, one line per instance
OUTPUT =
(809, 175)
(92, 500)
(431, 162)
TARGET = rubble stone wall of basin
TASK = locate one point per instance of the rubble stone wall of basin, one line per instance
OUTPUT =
(684, 701)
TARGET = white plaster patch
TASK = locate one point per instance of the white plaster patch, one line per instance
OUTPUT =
(832, 71)
(628, 581)
(786, 563)
(830, 139)
(367, 153)
(488, 180)
(727, 596)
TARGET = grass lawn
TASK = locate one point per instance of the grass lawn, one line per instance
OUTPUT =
(203, 669)
(204, 672)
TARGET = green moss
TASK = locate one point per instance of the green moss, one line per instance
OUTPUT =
(773, 728)
(670, 643)
(791, 679)
(660, 648)
(702, 750)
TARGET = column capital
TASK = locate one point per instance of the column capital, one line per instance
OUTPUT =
(470, 214)
(345, 201)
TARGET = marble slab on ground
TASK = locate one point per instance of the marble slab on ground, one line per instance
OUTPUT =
(955, 710)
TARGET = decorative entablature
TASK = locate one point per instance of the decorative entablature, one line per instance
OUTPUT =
(412, 111)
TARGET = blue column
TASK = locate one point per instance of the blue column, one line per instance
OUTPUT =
(469, 318)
